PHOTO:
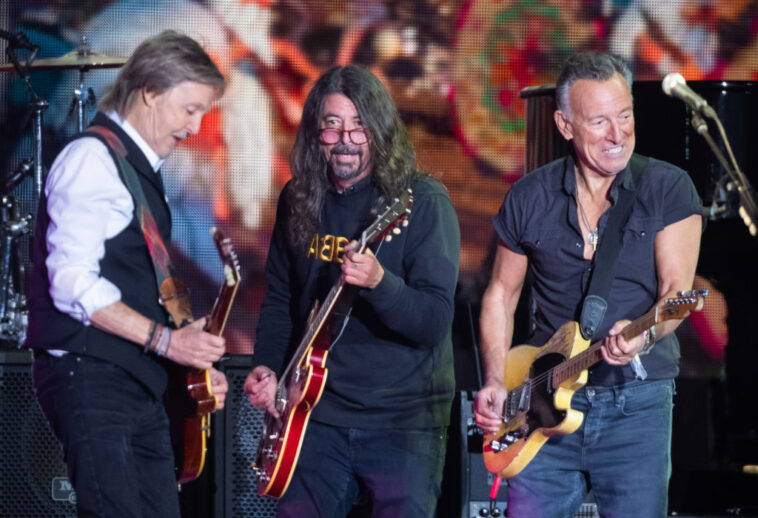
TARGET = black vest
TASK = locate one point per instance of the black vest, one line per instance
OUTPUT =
(127, 264)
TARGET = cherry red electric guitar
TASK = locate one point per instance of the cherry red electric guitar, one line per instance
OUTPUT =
(189, 400)
(542, 380)
(300, 386)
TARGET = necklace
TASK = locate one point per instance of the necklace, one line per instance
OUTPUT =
(592, 237)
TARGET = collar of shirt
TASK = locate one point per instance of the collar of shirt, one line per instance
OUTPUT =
(623, 178)
(152, 157)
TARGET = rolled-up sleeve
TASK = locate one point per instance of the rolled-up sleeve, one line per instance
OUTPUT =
(87, 204)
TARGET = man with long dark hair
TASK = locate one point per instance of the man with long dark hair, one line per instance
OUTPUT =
(380, 423)
(102, 340)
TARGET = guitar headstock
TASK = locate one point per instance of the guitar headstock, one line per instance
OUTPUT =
(387, 223)
(228, 257)
(681, 305)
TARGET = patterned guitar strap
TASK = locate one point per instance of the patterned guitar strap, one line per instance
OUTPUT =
(174, 296)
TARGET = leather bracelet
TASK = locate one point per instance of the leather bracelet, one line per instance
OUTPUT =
(157, 337)
(151, 335)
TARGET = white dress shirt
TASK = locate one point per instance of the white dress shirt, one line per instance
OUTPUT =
(87, 204)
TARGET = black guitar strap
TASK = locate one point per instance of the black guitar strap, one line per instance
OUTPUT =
(595, 302)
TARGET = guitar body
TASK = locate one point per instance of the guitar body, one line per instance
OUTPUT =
(542, 380)
(282, 437)
(549, 409)
(189, 403)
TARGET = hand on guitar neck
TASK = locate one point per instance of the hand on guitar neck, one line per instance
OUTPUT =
(192, 346)
(260, 386)
(360, 267)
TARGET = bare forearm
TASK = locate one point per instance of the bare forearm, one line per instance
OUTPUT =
(496, 330)
(190, 345)
(121, 320)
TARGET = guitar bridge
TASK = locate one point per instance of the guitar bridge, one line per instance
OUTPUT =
(505, 441)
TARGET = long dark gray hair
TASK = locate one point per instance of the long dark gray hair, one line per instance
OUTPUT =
(158, 64)
(392, 154)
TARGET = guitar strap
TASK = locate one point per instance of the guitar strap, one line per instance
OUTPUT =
(595, 302)
(174, 295)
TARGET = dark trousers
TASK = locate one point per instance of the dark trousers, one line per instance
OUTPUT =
(115, 437)
(622, 447)
(400, 469)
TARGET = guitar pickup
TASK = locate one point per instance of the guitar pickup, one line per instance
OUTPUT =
(525, 399)
(518, 400)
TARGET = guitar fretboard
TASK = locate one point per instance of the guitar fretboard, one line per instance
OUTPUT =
(590, 356)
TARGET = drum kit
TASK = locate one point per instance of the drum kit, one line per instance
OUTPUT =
(13, 225)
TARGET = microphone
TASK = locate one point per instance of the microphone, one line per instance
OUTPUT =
(15, 178)
(674, 85)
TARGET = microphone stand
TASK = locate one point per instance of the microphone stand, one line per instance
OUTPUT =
(738, 182)
(38, 105)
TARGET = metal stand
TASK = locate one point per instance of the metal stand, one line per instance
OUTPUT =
(13, 314)
(13, 310)
(82, 97)
(736, 182)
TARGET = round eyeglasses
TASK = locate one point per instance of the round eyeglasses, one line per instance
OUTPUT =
(332, 135)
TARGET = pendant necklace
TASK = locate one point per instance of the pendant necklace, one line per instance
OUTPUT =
(592, 237)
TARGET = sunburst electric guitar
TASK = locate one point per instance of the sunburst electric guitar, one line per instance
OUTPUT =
(300, 386)
(189, 400)
(542, 380)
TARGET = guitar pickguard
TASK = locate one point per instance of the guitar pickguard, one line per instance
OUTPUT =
(543, 413)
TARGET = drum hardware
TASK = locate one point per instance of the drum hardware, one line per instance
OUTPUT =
(37, 104)
(13, 226)
(13, 311)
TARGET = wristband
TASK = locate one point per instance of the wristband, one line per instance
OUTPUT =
(168, 342)
(150, 335)
(164, 340)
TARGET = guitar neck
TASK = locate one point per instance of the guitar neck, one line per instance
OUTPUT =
(221, 308)
(590, 356)
(316, 323)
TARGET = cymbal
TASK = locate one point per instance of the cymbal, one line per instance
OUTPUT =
(83, 60)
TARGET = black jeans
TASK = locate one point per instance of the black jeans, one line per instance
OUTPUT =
(115, 437)
(401, 469)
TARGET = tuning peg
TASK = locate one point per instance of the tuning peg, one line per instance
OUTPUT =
(396, 231)
(388, 238)
(405, 222)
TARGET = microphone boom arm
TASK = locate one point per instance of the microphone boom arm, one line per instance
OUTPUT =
(748, 209)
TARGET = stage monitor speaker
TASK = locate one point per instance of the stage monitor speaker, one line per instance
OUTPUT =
(236, 431)
(33, 480)
(466, 483)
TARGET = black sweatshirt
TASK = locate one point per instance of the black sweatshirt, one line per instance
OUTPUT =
(392, 366)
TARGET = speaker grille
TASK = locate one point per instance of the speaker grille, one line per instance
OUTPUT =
(242, 428)
(32, 472)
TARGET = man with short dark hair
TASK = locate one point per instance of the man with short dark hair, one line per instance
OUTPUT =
(380, 423)
(102, 340)
(550, 225)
